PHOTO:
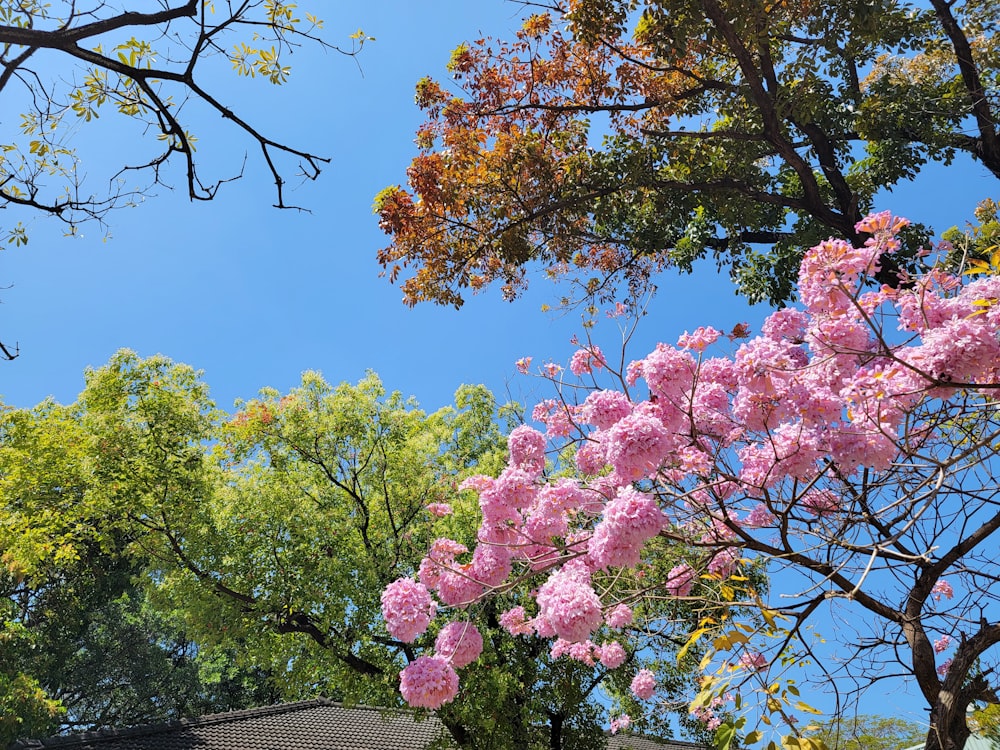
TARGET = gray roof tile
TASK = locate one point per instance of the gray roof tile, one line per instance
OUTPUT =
(309, 725)
(318, 724)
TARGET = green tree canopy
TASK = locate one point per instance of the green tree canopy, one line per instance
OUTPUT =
(266, 537)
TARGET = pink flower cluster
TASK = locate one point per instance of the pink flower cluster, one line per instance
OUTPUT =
(460, 643)
(569, 604)
(428, 682)
(407, 608)
(716, 450)
(643, 685)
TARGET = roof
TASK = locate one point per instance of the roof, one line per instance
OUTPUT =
(635, 742)
(319, 724)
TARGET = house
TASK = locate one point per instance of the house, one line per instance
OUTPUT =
(319, 724)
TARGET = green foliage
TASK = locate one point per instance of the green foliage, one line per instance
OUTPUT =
(239, 559)
(870, 732)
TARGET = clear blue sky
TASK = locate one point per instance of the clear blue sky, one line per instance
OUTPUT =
(254, 296)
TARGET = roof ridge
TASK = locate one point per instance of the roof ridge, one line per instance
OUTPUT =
(173, 724)
(144, 730)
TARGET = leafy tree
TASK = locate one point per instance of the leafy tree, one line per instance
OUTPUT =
(850, 449)
(268, 535)
(871, 732)
(612, 139)
(80, 639)
(65, 63)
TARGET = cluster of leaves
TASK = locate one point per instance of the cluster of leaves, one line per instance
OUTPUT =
(611, 139)
(147, 67)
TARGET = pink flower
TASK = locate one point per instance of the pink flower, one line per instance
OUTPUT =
(603, 408)
(637, 445)
(439, 509)
(643, 685)
(584, 361)
(567, 601)
(612, 655)
(753, 661)
(619, 617)
(942, 643)
(702, 338)
(460, 643)
(820, 502)
(527, 449)
(428, 682)
(942, 588)
(407, 607)
(680, 579)
(523, 365)
(629, 520)
(622, 722)
(943, 668)
(515, 621)
(759, 517)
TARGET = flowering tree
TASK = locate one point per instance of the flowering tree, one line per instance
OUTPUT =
(849, 450)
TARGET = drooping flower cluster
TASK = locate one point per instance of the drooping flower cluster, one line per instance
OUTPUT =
(460, 643)
(428, 682)
(407, 608)
(643, 685)
(718, 453)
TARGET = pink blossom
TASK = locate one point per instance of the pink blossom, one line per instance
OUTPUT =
(460, 643)
(515, 622)
(942, 643)
(439, 509)
(441, 556)
(567, 601)
(669, 372)
(428, 682)
(943, 668)
(407, 607)
(523, 365)
(554, 416)
(527, 450)
(643, 685)
(942, 588)
(622, 722)
(753, 661)
(491, 564)
(603, 408)
(680, 580)
(591, 456)
(619, 617)
(759, 517)
(788, 323)
(820, 502)
(612, 655)
(457, 586)
(724, 561)
(552, 370)
(701, 339)
(630, 519)
(584, 361)
(637, 445)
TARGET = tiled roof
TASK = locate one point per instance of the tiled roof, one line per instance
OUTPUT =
(318, 724)
(309, 725)
(631, 742)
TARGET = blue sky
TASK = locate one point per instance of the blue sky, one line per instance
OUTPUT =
(254, 296)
